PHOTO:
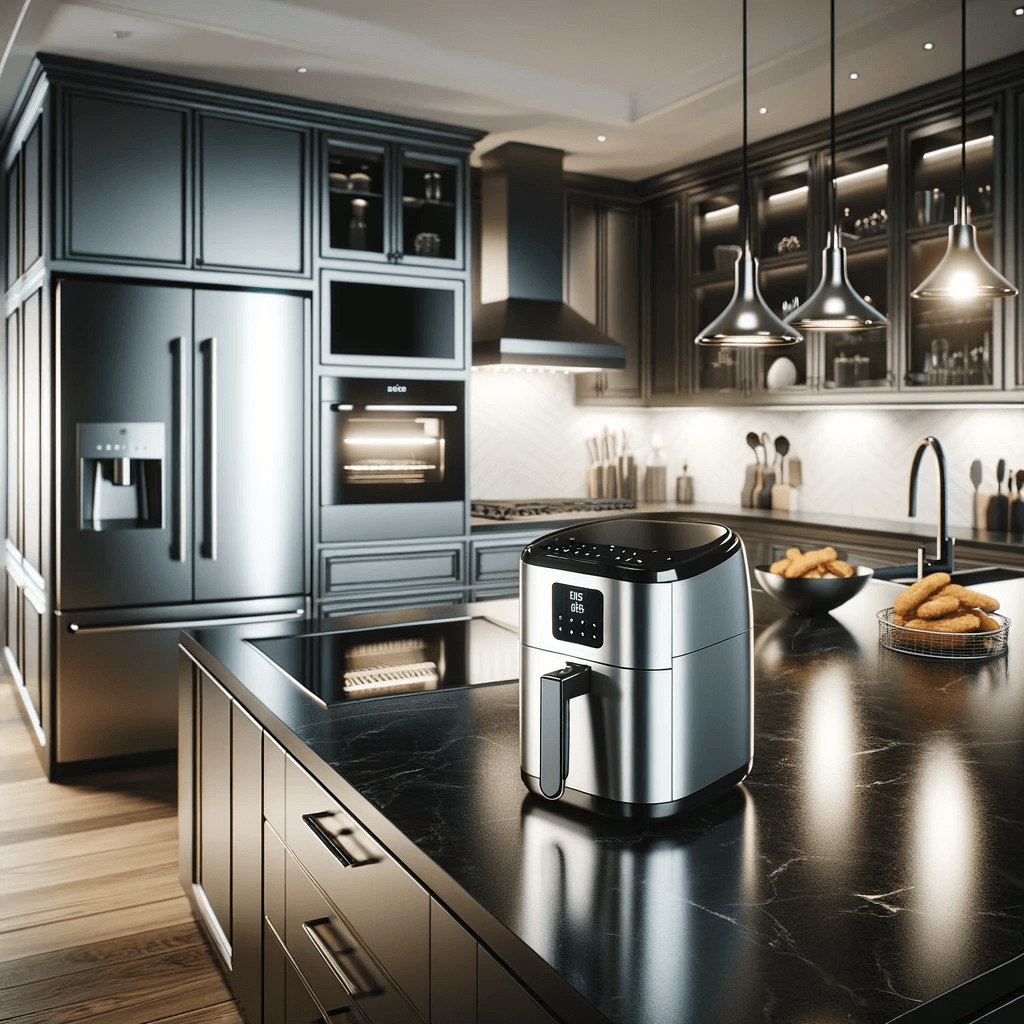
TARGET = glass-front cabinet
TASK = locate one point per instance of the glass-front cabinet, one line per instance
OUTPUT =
(949, 343)
(392, 204)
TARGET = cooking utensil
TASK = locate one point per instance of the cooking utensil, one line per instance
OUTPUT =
(976, 481)
(783, 497)
(999, 505)
(611, 469)
(764, 493)
(1015, 518)
(593, 470)
(751, 483)
(781, 451)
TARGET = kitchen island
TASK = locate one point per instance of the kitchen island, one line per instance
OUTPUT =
(871, 867)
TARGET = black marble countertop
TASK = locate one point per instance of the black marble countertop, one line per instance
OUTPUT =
(870, 869)
(912, 532)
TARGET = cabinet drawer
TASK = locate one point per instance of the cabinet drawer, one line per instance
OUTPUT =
(497, 563)
(385, 907)
(375, 570)
(333, 961)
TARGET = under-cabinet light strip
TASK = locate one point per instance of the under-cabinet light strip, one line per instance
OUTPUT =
(868, 171)
(950, 150)
(725, 211)
(789, 194)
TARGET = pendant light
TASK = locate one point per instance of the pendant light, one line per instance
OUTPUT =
(963, 273)
(747, 320)
(835, 305)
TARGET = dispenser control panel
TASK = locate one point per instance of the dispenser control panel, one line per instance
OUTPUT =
(577, 615)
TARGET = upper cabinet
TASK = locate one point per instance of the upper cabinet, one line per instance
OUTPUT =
(390, 203)
(23, 205)
(126, 181)
(897, 179)
(252, 212)
(602, 283)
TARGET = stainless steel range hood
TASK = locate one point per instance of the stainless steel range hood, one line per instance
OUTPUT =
(522, 321)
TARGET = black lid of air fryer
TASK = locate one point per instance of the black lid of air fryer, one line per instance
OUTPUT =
(644, 548)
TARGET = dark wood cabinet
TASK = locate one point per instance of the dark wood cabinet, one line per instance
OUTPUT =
(12, 221)
(500, 998)
(126, 174)
(251, 205)
(32, 196)
(453, 995)
(602, 283)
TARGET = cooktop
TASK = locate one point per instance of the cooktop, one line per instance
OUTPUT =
(546, 506)
(347, 665)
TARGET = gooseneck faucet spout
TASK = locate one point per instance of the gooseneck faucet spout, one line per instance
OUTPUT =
(943, 560)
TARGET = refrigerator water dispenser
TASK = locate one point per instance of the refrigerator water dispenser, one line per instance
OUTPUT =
(121, 476)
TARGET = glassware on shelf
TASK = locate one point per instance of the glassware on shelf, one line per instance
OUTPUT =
(427, 243)
(357, 225)
(432, 186)
(359, 181)
(849, 370)
(339, 181)
(929, 207)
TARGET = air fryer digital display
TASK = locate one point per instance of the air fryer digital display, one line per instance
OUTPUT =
(577, 615)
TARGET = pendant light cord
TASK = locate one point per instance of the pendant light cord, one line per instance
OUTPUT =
(833, 188)
(746, 170)
(963, 107)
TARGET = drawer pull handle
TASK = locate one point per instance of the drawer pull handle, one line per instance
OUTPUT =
(325, 837)
(332, 953)
(331, 841)
(328, 1018)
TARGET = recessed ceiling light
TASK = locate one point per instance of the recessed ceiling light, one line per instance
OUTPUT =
(854, 76)
(302, 71)
(120, 33)
(929, 46)
(602, 138)
(1019, 11)
(763, 110)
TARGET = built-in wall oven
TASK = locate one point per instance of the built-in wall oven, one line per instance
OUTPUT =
(392, 458)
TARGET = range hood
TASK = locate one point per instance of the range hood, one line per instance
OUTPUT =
(522, 321)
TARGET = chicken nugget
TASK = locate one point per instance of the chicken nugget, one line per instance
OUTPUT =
(838, 568)
(937, 607)
(898, 620)
(962, 623)
(779, 567)
(813, 574)
(986, 623)
(811, 560)
(919, 592)
(793, 553)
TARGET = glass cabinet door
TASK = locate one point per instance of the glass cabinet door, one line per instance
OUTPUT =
(949, 343)
(356, 208)
(782, 213)
(431, 228)
(717, 232)
(861, 358)
(783, 288)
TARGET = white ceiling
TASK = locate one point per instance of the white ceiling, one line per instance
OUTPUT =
(660, 79)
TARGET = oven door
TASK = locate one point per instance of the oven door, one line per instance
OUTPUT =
(386, 446)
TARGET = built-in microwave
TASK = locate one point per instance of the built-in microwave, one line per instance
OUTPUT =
(392, 458)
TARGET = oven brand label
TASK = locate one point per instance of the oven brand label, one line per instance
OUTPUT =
(397, 389)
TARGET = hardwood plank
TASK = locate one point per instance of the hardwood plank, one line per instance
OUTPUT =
(117, 837)
(85, 867)
(94, 928)
(222, 1013)
(130, 993)
(99, 955)
(66, 901)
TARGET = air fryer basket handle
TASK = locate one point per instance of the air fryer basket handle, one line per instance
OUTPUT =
(556, 690)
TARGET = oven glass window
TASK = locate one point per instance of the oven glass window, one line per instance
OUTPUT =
(392, 450)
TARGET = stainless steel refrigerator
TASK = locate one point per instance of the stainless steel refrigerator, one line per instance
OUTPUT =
(182, 486)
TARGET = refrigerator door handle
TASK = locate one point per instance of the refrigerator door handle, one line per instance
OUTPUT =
(183, 378)
(237, 620)
(211, 448)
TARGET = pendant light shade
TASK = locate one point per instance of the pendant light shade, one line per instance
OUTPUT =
(835, 305)
(963, 273)
(747, 320)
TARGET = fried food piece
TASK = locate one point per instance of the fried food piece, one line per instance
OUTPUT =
(779, 567)
(937, 607)
(969, 598)
(811, 560)
(919, 592)
(898, 620)
(987, 623)
(816, 573)
(962, 623)
(792, 553)
(838, 568)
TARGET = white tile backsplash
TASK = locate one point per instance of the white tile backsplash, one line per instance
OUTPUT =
(528, 440)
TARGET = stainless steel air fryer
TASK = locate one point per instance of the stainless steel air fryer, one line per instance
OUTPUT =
(636, 672)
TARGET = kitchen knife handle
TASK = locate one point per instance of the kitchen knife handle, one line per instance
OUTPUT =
(556, 690)
(211, 448)
(183, 377)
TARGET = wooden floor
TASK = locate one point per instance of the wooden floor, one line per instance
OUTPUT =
(94, 926)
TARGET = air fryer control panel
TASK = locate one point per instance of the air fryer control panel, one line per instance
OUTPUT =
(577, 615)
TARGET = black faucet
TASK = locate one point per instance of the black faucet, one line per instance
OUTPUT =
(943, 560)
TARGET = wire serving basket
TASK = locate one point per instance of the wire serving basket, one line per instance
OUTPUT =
(928, 643)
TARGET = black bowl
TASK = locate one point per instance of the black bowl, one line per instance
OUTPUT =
(812, 597)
